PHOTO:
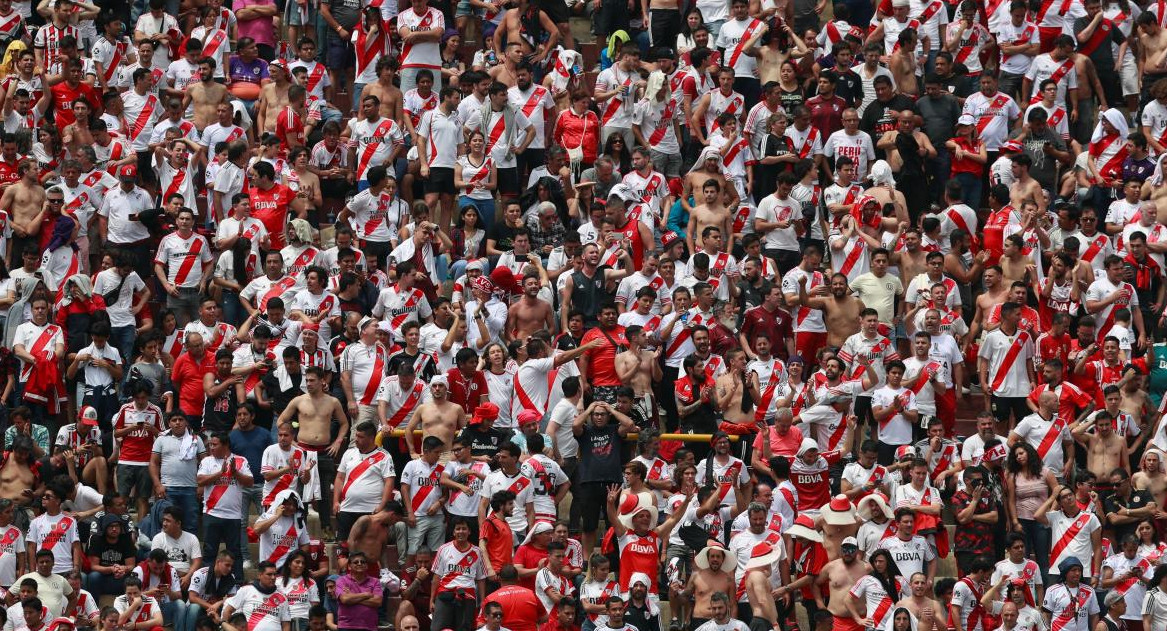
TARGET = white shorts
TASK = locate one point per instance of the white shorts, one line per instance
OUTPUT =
(1129, 74)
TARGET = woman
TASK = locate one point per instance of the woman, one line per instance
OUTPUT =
(216, 42)
(573, 558)
(148, 364)
(500, 381)
(76, 310)
(468, 238)
(172, 338)
(616, 149)
(792, 392)
(1149, 541)
(597, 587)
(452, 66)
(685, 42)
(48, 152)
(1027, 486)
(302, 592)
(476, 175)
(777, 157)
(500, 237)
(369, 42)
(1123, 14)
(792, 94)
(885, 571)
(577, 130)
(303, 182)
(900, 620)
(545, 189)
(234, 269)
(780, 47)
(969, 157)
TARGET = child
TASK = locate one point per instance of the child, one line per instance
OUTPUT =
(1122, 331)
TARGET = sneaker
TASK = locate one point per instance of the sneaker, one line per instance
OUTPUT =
(675, 625)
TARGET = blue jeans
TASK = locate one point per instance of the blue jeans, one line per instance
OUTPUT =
(216, 531)
(186, 499)
(252, 496)
(442, 263)
(100, 584)
(233, 312)
(458, 268)
(185, 615)
(970, 189)
(714, 27)
(122, 338)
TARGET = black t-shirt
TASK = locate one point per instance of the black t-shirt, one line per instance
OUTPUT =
(1106, 39)
(485, 442)
(880, 117)
(1113, 503)
(503, 236)
(424, 368)
(281, 398)
(111, 553)
(599, 453)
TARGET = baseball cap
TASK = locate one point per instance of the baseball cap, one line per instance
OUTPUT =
(128, 172)
(88, 415)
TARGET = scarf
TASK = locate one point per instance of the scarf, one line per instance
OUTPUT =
(24, 290)
(82, 282)
(1144, 272)
(187, 446)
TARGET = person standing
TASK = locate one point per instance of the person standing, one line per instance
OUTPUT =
(222, 474)
(174, 462)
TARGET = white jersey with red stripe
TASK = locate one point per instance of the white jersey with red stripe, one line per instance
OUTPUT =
(400, 401)
(657, 120)
(617, 110)
(538, 106)
(996, 348)
(546, 476)
(81, 202)
(733, 37)
(415, 105)
(1070, 608)
(146, 610)
(48, 39)
(972, 41)
(520, 485)
(892, 29)
(806, 320)
(994, 114)
(376, 215)
(1044, 67)
(276, 458)
(443, 134)
(455, 569)
(364, 476)
(141, 113)
(931, 15)
(425, 54)
(500, 141)
(1100, 290)
(317, 77)
(184, 258)
(1077, 544)
(175, 179)
(875, 596)
(651, 188)
(281, 538)
(721, 103)
(968, 598)
(742, 544)
(359, 361)
(398, 306)
(265, 612)
(424, 482)
(314, 305)
(1006, 32)
(1027, 570)
(1056, 117)
(466, 504)
(56, 533)
(375, 142)
(727, 474)
(222, 498)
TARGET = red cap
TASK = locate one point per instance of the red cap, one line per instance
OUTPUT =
(128, 170)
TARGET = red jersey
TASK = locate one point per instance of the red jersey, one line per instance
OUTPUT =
(602, 361)
(289, 124)
(813, 481)
(809, 558)
(1057, 347)
(63, 97)
(1086, 381)
(187, 374)
(529, 556)
(271, 208)
(1071, 399)
(520, 607)
(466, 391)
(639, 554)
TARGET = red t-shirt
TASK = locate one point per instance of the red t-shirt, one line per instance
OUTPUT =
(289, 124)
(63, 97)
(602, 360)
(466, 392)
(520, 607)
(811, 558)
(270, 207)
(187, 374)
(528, 557)
(777, 326)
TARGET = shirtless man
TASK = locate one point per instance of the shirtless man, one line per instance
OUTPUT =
(912, 259)
(840, 575)
(637, 367)
(507, 72)
(711, 579)
(370, 535)
(1024, 187)
(710, 169)
(25, 203)
(1152, 49)
(709, 213)
(758, 592)
(316, 410)
(1150, 476)
(994, 294)
(16, 477)
(390, 95)
(923, 607)
(886, 193)
(206, 95)
(273, 97)
(531, 313)
(1134, 397)
(731, 385)
(906, 124)
(840, 309)
(902, 63)
(1015, 266)
(511, 28)
(438, 417)
(1105, 449)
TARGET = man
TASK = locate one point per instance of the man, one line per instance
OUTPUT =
(531, 313)
(994, 113)
(174, 468)
(1108, 293)
(508, 477)
(265, 606)
(118, 219)
(183, 264)
(1047, 432)
(440, 136)
(373, 141)
(876, 351)
(365, 478)
(1071, 605)
(598, 363)
(362, 367)
(421, 495)
(221, 475)
(458, 569)
(912, 553)
(1007, 350)
(439, 416)
(1106, 450)
(1075, 534)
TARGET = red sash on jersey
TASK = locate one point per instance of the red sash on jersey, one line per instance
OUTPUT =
(926, 373)
(682, 336)
(1113, 167)
(211, 46)
(315, 76)
(1023, 38)
(236, 133)
(1101, 33)
(928, 12)
(119, 49)
(525, 399)
(1139, 570)
(410, 303)
(271, 603)
(533, 100)
(424, 25)
(367, 50)
(42, 340)
(1052, 436)
(1068, 614)
(188, 263)
(878, 349)
(143, 117)
(912, 24)
(945, 460)
(305, 257)
(881, 612)
(666, 119)
(219, 489)
(175, 183)
(362, 466)
(978, 610)
(807, 144)
(1064, 541)
(468, 560)
(1056, 118)
(767, 395)
(741, 45)
(374, 379)
(420, 494)
(496, 132)
(382, 130)
(857, 251)
(984, 119)
(1046, 5)
(278, 553)
(407, 405)
(1058, 74)
(991, 8)
(277, 289)
(731, 474)
(967, 49)
(284, 482)
(1010, 357)
(60, 529)
(614, 103)
(733, 151)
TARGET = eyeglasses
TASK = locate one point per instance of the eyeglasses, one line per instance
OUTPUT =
(495, 614)
(56, 201)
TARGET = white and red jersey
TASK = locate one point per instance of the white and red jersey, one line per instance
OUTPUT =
(617, 110)
(538, 106)
(40, 341)
(466, 504)
(520, 485)
(276, 458)
(136, 446)
(896, 429)
(930, 15)
(141, 113)
(443, 133)
(110, 55)
(1070, 608)
(368, 49)
(282, 538)
(972, 41)
(375, 142)
(892, 29)
(650, 189)
(1108, 155)
(302, 593)
(48, 39)
(425, 54)
(215, 133)
(966, 594)
(546, 478)
(722, 103)
(1047, 437)
(1014, 35)
(534, 382)
(57, 534)
(217, 334)
(994, 115)
(456, 569)
(317, 78)
(176, 179)
(1027, 570)
(1056, 117)
(11, 544)
(1056, 15)
(414, 104)
(146, 611)
(878, 602)
(1100, 290)
(806, 142)
(376, 215)
(742, 544)
(366, 365)
(696, 84)
(399, 305)
(364, 476)
(500, 141)
(261, 289)
(400, 401)
(679, 345)
(222, 498)
(806, 320)
(657, 120)
(911, 555)
(1008, 356)
(265, 612)
(878, 349)
(424, 482)
(733, 37)
(849, 256)
(184, 258)
(771, 376)
(860, 477)
(1062, 72)
(639, 554)
(727, 475)
(80, 204)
